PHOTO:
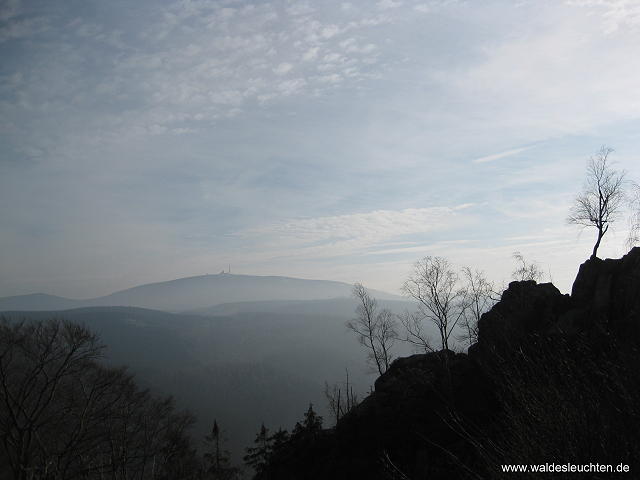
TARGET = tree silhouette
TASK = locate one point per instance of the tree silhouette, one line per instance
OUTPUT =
(375, 329)
(480, 297)
(634, 220)
(525, 270)
(66, 416)
(440, 298)
(279, 440)
(602, 197)
(217, 462)
(311, 424)
(341, 397)
(257, 457)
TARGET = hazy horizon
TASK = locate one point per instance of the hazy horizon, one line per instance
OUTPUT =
(343, 141)
(187, 283)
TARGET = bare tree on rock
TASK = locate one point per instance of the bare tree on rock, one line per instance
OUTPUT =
(634, 220)
(525, 270)
(436, 288)
(375, 329)
(602, 198)
(341, 398)
(480, 297)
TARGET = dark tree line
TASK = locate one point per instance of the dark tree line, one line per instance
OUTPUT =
(64, 415)
(268, 449)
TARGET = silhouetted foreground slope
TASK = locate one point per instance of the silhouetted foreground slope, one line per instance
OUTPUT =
(553, 379)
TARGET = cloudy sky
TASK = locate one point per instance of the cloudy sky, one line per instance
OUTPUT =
(144, 141)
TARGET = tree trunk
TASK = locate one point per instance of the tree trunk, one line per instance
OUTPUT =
(601, 233)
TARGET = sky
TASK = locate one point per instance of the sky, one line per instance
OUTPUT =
(145, 141)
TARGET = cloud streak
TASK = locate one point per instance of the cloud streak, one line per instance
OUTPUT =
(501, 155)
(354, 233)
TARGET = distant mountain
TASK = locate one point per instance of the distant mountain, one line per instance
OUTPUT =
(197, 293)
(37, 301)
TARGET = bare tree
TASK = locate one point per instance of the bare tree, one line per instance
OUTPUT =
(441, 300)
(341, 397)
(634, 220)
(602, 198)
(480, 297)
(375, 329)
(64, 415)
(36, 363)
(526, 271)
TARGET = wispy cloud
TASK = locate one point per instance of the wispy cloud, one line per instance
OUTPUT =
(387, 4)
(498, 156)
(197, 130)
(353, 233)
(191, 63)
(615, 13)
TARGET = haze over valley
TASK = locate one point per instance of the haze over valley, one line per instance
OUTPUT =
(249, 350)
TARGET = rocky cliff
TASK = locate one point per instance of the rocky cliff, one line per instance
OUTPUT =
(553, 378)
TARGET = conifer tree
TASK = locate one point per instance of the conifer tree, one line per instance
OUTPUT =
(311, 424)
(257, 457)
(218, 465)
(279, 439)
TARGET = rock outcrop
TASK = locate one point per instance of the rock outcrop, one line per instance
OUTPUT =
(404, 422)
(546, 365)
(605, 300)
(525, 308)
(606, 295)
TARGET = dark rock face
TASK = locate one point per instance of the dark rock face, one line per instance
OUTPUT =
(404, 422)
(605, 300)
(524, 309)
(607, 295)
(545, 365)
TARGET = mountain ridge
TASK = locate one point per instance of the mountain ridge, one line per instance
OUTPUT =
(196, 292)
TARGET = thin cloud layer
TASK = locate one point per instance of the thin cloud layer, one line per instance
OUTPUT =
(353, 234)
(150, 140)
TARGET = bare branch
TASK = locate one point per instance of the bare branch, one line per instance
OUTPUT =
(526, 271)
(341, 397)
